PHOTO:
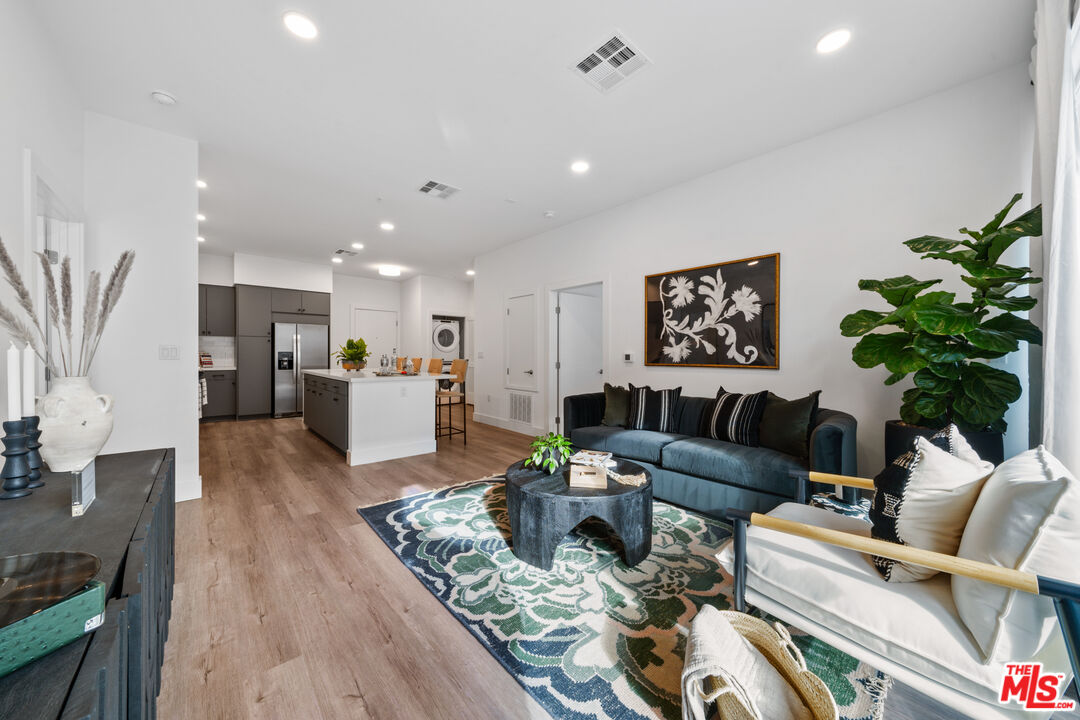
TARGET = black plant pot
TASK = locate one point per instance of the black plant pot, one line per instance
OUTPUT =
(899, 437)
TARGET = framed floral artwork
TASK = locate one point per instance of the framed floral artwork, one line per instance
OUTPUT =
(723, 315)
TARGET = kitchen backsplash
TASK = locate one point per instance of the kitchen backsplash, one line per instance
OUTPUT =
(222, 349)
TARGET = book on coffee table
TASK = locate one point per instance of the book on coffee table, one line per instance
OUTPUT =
(593, 458)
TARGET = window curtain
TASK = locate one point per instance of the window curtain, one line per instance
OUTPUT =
(1057, 186)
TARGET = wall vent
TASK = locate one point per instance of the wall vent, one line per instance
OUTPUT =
(612, 62)
(434, 188)
(348, 253)
(521, 407)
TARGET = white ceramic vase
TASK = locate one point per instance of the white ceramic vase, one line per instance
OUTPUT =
(75, 423)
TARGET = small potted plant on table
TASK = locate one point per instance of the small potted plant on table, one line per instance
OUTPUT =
(353, 354)
(550, 452)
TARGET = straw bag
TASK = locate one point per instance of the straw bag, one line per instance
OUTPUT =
(774, 643)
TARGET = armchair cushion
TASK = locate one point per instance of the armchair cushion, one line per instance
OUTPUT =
(913, 625)
(923, 499)
(1027, 517)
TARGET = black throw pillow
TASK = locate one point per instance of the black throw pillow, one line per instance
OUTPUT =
(653, 409)
(733, 417)
(616, 405)
(786, 424)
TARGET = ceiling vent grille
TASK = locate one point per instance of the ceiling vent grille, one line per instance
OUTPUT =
(348, 253)
(437, 189)
(611, 63)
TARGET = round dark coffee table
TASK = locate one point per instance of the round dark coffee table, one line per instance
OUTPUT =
(544, 508)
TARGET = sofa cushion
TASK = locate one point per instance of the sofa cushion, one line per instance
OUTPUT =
(923, 498)
(914, 625)
(733, 417)
(786, 424)
(653, 409)
(756, 468)
(616, 406)
(1028, 518)
(630, 444)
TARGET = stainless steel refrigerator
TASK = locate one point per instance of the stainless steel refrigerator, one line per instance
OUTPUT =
(297, 347)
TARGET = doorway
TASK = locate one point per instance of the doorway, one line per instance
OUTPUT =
(579, 343)
(379, 328)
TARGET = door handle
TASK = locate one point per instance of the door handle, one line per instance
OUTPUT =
(528, 372)
(600, 371)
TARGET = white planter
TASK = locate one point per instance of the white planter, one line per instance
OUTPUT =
(75, 423)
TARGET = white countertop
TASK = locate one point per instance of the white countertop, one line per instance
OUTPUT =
(359, 376)
(217, 368)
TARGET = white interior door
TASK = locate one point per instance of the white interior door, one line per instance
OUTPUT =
(521, 342)
(378, 328)
(580, 357)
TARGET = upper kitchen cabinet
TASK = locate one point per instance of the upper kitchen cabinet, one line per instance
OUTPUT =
(253, 311)
(315, 303)
(285, 301)
(299, 302)
(217, 310)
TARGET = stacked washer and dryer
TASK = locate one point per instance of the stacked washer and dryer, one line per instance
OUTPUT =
(446, 339)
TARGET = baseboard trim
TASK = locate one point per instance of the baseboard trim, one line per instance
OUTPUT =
(512, 425)
(366, 455)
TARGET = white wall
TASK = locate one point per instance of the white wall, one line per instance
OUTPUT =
(215, 269)
(280, 273)
(836, 207)
(423, 296)
(410, 320)
(355, 292)
(41, 112)
(140, 194)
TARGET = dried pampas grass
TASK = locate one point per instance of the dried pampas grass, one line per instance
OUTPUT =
(61, 309)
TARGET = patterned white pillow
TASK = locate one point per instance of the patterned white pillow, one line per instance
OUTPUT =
(1027, 518)
(923, 499)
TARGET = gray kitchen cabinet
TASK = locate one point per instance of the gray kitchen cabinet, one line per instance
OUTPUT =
(253, 311)
(313, 303)
(220, 393)
(202, 309)
(286, 301)
(326, 410)
(253, 375)
(220, 310)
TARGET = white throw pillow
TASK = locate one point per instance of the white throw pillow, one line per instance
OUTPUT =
(924, 498)
(1027, 518)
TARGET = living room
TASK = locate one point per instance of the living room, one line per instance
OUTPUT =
(654, 237)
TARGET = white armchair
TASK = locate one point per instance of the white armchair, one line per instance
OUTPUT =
(810, 568)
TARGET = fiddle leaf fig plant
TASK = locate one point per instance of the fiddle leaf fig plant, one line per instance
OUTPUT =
(550, 452)
(942, 342)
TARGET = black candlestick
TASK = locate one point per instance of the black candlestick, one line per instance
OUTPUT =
(33, 457)
(16, 470)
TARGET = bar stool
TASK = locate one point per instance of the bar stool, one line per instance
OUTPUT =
(457, 372)
(434, 366)
(400, 364)
(416, 363)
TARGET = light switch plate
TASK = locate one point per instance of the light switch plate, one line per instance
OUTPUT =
(168, 352)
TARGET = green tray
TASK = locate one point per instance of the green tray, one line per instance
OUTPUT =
(65, 622)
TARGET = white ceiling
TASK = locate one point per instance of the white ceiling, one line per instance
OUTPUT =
(300, 140)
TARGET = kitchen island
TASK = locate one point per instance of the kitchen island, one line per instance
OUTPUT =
(372, 418)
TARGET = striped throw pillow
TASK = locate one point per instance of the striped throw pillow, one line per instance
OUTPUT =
(653, 409)
(734, 418)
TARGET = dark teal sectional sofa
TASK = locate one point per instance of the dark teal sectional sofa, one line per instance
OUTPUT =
(711, 475)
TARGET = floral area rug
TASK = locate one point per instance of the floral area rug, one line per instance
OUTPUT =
(591, 638)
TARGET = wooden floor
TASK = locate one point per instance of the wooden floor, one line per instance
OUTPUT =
(287, 605)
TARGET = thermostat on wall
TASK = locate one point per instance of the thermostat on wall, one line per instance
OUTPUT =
(628, 357)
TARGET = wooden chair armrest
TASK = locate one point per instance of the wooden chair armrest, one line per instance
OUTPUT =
(1006, 577)
(845, 480)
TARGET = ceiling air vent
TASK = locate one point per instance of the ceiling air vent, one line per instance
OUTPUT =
(611, 63)
(438, 189)
(347, 253)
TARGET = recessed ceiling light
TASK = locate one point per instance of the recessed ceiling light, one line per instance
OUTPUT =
(388, 226)
(200, 217)
(389, 270)
(163, 98)
(336, 260)
(300, 25)
(579, 166)
(201, 239)
(358, 246)
(470, 272)
(201, 184)
(833, 41)
(549, 214)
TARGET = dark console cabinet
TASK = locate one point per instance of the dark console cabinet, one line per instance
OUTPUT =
(113, 672)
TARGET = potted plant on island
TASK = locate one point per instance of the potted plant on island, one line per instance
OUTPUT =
(550, 452)
(353, 354)
(944, 343)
